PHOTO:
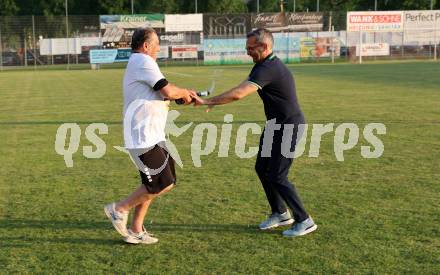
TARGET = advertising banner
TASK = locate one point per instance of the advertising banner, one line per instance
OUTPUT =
(227, 25)
(422, 27)
(308, 47)
(305, 21)
(325, 46)
(375, 21)
(274, 22)
(164, 52)
(103, 56)
(184, 22)
(184, 51)
(289, 21)
(117, 30)
(287, 47)
(171, 38)
(123, 55)
(132, 21)
(90, 41)
(232, 51)
(56, 46)
(225, 51)
(183, 38)
(109, 56)
(374, 49)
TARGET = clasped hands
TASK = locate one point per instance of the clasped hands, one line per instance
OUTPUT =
(193, 98)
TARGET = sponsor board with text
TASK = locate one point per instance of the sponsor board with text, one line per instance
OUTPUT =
(184, 51)
(373, 49)
(106, 56)
(183, 22)
(289, 21)
(375, 21)
(226, 25)
(225, 51)
(422, 27)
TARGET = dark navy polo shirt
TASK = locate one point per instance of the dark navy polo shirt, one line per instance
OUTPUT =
(276, 87)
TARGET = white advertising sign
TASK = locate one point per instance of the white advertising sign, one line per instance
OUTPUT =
(374, 49)
(163, 53)
(183, 22)
(56, 46)
(90, 41)
(422, 27)
(184, 51)
(375, 21)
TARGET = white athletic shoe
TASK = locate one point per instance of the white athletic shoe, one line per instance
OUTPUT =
(301, 228)
(140, 238)
(275, 220)
(118, 219)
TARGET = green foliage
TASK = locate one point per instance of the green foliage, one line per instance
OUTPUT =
(8, 7)
(226, 6)
(113, 6)
(81, 7)
(162, 6)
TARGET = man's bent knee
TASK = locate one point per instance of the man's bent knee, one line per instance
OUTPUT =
(166, 189)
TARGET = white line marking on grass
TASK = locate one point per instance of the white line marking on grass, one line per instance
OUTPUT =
(181, 74)
(120, 148)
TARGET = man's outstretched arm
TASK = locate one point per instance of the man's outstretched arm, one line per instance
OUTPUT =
(172, 92)
(244, 89)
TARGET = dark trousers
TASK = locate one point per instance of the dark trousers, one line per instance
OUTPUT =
(273, 172)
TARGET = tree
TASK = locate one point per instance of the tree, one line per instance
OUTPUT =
(114, 7)
(8, 7)
(226, 6)
(213, 6)
(157, 6)
(96, 7)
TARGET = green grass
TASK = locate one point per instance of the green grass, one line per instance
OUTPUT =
(374, 215)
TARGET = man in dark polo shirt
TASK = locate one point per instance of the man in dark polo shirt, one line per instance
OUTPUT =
(276, 87)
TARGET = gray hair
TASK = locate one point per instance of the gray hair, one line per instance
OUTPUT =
(140, 36)
(262, 36)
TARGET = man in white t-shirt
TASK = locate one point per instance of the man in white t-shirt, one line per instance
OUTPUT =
(147, 95)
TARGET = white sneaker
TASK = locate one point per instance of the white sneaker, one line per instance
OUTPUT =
(275, 220)
(118, 219)
(301, 228)
(140, 238)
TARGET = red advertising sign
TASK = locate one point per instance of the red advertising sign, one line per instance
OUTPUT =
(184, 51)
(375, 21)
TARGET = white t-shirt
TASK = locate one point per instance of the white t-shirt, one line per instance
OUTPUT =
(145, 110)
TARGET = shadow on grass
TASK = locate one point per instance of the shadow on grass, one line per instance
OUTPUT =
(52, 224)
(240, 228)
(12, 224)
(19, 242)
(15, 240)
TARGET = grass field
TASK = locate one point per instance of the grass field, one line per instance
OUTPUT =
(374, 215)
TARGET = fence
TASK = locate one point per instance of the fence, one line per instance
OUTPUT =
(21, 39)
(41, 41)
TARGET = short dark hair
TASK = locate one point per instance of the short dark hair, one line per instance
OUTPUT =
(262, 36)
(140, 36)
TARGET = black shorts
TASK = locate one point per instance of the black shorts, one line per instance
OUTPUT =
(160, 172)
